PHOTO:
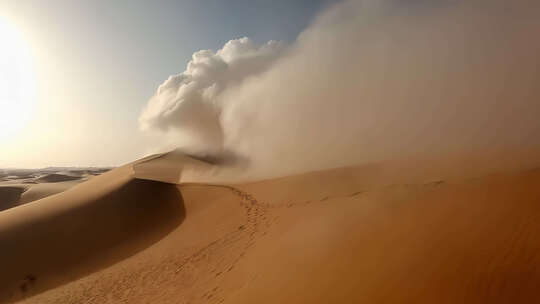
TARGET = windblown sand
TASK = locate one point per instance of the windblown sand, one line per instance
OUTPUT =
(381, 233)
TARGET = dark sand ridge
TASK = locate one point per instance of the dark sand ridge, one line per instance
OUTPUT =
(55, 178)
(382, 233)
(10, 196)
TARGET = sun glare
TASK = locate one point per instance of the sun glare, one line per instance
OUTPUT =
(17, 85)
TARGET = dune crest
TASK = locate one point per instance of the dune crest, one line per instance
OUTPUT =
(173, 167)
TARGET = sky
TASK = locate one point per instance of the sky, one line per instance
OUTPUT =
(90, 67)
(273, 87)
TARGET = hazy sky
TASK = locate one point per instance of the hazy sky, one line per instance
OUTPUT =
(97, 63)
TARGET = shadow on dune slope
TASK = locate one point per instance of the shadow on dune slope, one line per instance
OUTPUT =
(9, 196)
(60, 238)
(56, 178)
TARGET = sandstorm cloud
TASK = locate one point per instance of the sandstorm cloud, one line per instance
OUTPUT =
(186, 105)
(366, 81)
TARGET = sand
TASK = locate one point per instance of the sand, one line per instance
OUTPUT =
(94, 224)
(55, 178)
(41, 190)
(18, 187)
(381, 233)
(10, 196)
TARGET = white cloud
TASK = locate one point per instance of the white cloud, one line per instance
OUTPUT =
(186, 104)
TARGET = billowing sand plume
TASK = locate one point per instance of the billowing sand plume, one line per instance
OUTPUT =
(367, 81)
(55, 178)
(185, 104)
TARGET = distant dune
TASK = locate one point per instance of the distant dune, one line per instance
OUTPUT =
(380, 233)
(21, 186)
(55, 178)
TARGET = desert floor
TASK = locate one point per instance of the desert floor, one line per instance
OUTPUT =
(380, 233)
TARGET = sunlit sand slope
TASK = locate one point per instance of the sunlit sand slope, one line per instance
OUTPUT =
(41, 190)
(21, 186)
(351, 235)
(62, 237)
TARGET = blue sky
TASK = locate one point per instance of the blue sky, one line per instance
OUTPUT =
(98, 62)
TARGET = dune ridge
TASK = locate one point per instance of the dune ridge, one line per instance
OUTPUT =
(56, 178)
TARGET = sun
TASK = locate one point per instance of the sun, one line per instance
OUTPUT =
(17, 87)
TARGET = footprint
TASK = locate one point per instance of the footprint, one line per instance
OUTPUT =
(27, 282)
(435, 183)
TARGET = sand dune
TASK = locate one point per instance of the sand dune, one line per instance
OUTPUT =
(60, 238)
(18, 192)
(373, 234)
(10, 196)
(174, 168)
(21, 186)
(41, 190)
(55, 178)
